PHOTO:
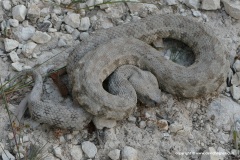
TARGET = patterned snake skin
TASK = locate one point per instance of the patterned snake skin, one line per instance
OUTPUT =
(106, 50)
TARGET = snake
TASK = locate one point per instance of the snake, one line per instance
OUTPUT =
(125, 55)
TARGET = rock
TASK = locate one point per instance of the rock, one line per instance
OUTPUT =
(142, 124)
(62, 42)
(195, 4)
(163, 124)
(235, 91)
(19, 12)
(76, 152)
(72, 19)
(10, 44)
(236, 65)
(210, 4)
(90, 3)
(10, 135)
(25, 138)
(33, 13)
(84, 35)
(196, 13)
(28, 48)
(76, 34)
(114, 154)
(235, 152)
(85, 24)
(41, 37)
(97, 2)
(208, 156)
(171, 2)
(129, 153)
(158, 43)
(24, 33)
(6, 155)
(232, 8)
(132, 119)
(236, 79)
(100, 123)
(69, 29)
(44, 12)
(43, 26)
(65, 1)
(6, 4)
(57, 152)
(17, 66)
(13, 22)
(89, 149)
(14, 57)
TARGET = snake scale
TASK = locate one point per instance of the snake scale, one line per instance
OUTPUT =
(107, 50)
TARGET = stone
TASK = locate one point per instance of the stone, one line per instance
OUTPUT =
(232, 8)
(69, 29)
(97, 2)
(142, 124)
(132, 119)
(171, 2)
(57, 152)
(6, 155)
(235, 152)
(84, 35)
(76, 152)
(174, 128)
(41, 37)
(27, 49)
(10, 44)
(66, 2)
(72, 19)
(19, 12)
(25, 33)
(33, 13)
(210, 4)
(14, 57)
(236, 79)
(25, 138)
(100, 123)
(196, 13)
(44, 12)
(10, 135)
(17, 66)
(13, 22)
(208, 154)
(89, 149)
(85, 24)
(6, 5)
(76, 34)
(62, 42)
(194, 4)
(158, 43)
(90, 3)
(129, 153)
(235, 91)
(43, 26)
(114, 154)
(236, 66)
(162, 124)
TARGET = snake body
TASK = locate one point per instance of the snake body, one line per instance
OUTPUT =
(129, 44)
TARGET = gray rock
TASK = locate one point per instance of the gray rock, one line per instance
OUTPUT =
(85, 24)
(129, 153)
(14, 57)
(114, 154)
(10, 44)
(236, 65)
(100, 123)
(84, 35)
(44, 12)
(69, 29)
(208, 155)
(97, 2)
(62, 42)
(195, 4)
(13, 22)
(17, 66)
(76, 34)
(89, 149)
(33, 13)
(6, 155)
(90, 3)
(41, 37)
(76, 152)
(132, 119)
(142, 124)
(196, 13)
(236, 79)
(6, 4)
(235, 91)
(19, 12)
(27, 49)
(10, 135)
(232, 8)
(57, 152)
(24, 33)
(210, 4)
(72, 19)
(171, 2)
(163, 124)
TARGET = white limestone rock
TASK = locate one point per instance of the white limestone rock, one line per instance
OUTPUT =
(58, 152)
(10, 44)
(114, 154)
(195, 4)
(19, 12)
(85, 24)
(33, 13)
(76, 152)
(232, 8)
(41, 37)
(6, 5)
(89, 149)
(27, 49)
(129, 153)
(235, 91)
(17, 66)
(72, 19)
(171, 2)
(210, 4)
(14, 57)
(13, 22)
(6, 155)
